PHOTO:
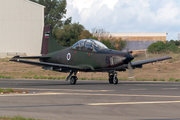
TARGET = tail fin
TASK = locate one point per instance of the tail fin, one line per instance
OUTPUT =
(48, 43)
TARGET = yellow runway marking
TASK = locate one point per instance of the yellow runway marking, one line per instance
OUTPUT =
(138, 89)
(62, 89)
(133, 103)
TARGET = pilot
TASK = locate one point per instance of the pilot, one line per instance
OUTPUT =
(78, 46)
(93, 49)
(81, 46)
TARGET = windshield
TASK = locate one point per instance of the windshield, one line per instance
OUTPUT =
(79, 45)
(100, 45)
(89, 44)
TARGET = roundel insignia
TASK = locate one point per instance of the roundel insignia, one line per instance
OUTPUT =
(68, 56)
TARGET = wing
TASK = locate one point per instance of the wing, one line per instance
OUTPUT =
(137, 64)
(50, 65)
(46, 65)
(141, 62)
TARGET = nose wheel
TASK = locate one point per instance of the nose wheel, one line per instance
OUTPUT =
(115, 80)
(113, 77)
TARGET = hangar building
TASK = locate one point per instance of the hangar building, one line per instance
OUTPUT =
(140, 41)
(21, 27)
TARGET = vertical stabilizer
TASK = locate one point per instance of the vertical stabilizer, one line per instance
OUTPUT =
(49, 44)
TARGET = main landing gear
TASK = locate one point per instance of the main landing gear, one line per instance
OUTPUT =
(73, 79)
(113, 77)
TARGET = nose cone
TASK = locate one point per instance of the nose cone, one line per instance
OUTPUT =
(129, 57)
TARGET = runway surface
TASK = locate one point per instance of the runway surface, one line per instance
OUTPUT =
(87, 100)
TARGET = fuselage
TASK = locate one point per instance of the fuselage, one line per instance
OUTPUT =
(101, 59)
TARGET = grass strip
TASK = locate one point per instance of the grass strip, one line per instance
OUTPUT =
(44, 77)
(177, 80)
(171, 79)
(1, 90)
(5, 77)
(100, 78)
(84, 78)
(9, 90)
(161, 79)
(16, 118)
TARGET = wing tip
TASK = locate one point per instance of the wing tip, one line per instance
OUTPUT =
(165, 57)
(13, 59)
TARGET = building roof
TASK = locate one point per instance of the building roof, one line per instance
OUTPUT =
(34, 3)
(138, 34)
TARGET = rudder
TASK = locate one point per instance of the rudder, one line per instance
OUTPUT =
(49, 44)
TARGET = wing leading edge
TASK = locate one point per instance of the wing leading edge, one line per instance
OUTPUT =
(141, 62)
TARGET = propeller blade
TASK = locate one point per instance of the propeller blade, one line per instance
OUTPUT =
(130, 52)
(127, 49)
(131, 74)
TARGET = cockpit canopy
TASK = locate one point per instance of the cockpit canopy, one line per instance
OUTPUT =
(89, 45)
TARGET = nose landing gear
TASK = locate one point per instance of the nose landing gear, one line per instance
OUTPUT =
(113, 77)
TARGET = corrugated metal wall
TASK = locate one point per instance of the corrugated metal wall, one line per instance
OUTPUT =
(21, 27)
(140, 41)
(138, 45)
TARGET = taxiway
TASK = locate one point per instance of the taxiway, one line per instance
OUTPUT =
(58, 100)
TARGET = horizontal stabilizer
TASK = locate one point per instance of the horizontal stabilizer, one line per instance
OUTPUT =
(31, 57)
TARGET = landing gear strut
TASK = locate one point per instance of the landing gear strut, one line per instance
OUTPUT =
(113, 77)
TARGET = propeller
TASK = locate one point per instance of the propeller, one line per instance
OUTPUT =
(130, 69)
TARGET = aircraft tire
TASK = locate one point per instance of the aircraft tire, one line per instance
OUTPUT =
(73, 80)
(111, 79)
(115, 80)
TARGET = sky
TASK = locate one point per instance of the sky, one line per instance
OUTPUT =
(127, 16)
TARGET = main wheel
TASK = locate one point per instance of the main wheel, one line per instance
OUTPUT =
(115, 80)
(111, 79)
(73, 80)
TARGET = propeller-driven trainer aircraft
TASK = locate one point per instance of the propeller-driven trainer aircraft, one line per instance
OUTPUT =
(86, 55)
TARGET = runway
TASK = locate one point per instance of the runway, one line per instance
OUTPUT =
(87, 100)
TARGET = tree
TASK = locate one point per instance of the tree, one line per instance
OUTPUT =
(121, 44)
(110, 44)
(54, 12)
(100, 33)
(176, 42)
(85, 34)
(114, 43)
(69, 34)
(161, 47)
(106, 38)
